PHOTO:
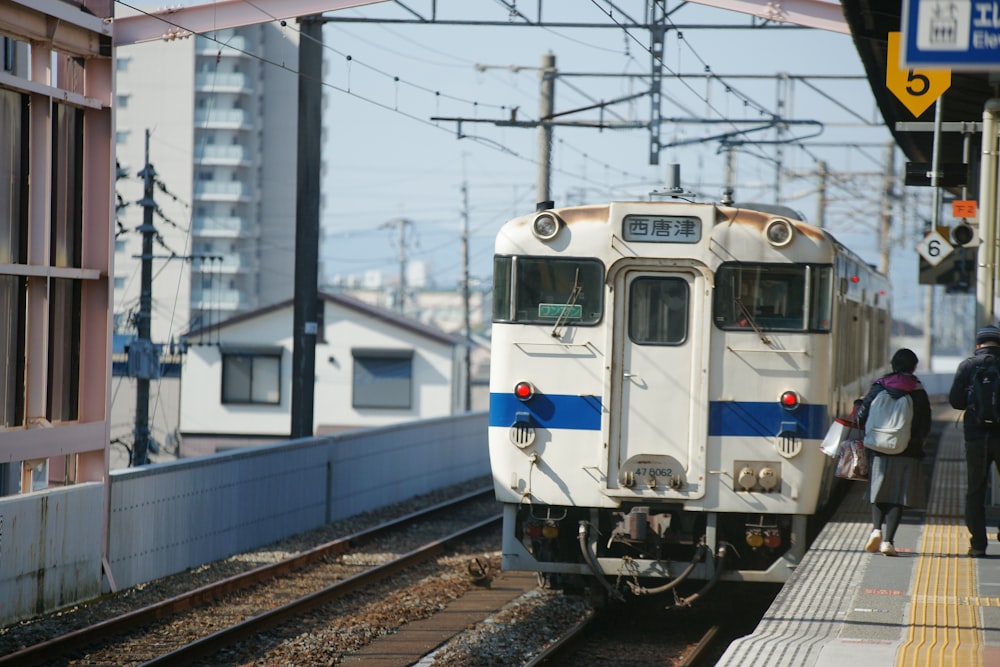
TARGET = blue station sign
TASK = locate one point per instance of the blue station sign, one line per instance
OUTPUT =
(953, 34)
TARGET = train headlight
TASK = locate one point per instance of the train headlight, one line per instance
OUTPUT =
(523, 391)
(545, 226)
(779, 232)
(789, 401)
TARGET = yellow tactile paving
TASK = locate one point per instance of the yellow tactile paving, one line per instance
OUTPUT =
(945, 619)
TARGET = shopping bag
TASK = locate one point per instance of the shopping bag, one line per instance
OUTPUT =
(852, 460)
(842, 428)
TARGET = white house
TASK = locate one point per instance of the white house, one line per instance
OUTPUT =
(373, 368)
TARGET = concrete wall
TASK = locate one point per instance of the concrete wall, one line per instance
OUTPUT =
(50, 549)
(170, 517)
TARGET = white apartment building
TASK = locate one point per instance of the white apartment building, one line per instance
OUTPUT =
(222, 123)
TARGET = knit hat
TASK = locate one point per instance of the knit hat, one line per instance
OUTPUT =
(905, 360)
(988, 334)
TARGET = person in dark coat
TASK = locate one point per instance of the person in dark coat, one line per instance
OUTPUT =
(897, 480)
(982, 442)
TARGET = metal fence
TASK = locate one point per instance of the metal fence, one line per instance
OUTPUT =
(169, 517)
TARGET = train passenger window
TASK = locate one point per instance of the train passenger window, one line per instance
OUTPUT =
(544, 290)
(658, 311)
(773, 297)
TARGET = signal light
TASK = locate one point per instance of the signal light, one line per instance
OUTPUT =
(524, 391)
(963, 234)
(789, 400)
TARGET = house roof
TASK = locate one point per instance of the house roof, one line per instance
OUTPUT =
(870, 22)
(343, 301)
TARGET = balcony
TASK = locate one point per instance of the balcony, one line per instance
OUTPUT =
(226, 45)
(224, 227)
(217, 299)
(223, 119)
(211, 154)
(221, 191)
(231, 263)
(222, 82)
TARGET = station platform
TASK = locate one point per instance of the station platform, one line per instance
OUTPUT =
(932, 605)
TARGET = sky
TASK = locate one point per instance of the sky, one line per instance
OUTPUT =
(393, 152)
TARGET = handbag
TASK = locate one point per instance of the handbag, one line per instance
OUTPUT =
(842, 428)
(852, 460)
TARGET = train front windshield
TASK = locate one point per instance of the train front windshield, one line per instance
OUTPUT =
(546, 290)
(773, 297)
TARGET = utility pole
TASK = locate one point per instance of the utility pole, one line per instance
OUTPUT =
(888, 196)
(307, 226)
(401, 303)
(545, 110)
(465, 296)
(142, 345)
(823, 174)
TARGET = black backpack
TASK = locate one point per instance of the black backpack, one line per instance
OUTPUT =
(984, 394)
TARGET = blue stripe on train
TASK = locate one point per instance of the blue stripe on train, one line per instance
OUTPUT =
(766, 418)
(725, 418)
(549, 410)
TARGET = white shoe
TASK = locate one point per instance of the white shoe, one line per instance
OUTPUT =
(888, 550)
(874, 541)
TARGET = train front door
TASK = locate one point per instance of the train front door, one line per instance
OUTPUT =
(657, 446)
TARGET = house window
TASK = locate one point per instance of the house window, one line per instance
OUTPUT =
(251, 376)
(382, 378)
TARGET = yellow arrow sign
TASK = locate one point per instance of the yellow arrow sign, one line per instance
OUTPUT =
(917, 89)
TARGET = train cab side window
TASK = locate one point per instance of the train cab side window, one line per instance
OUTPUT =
(658, 311)
(773, 297)
(545, 290)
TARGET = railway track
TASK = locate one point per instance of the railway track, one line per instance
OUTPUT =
(643, 632)
(203, 621)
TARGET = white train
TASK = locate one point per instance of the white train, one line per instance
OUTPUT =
(662, 374)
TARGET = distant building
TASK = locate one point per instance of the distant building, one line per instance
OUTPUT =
(373, 368)
(223, 124)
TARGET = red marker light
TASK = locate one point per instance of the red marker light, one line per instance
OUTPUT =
(524, 391)
(789, 400)
(855, 279)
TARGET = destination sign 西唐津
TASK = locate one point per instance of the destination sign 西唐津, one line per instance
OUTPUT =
(662, 228)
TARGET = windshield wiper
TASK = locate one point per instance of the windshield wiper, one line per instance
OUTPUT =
(574, 294)
(751, 321)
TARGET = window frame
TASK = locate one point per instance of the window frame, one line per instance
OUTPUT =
(814, 276)
(389, 390)
(631, 315)
(252, 354)
(511, 307)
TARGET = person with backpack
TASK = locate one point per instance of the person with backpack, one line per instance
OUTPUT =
(975, 390)
(898, 422)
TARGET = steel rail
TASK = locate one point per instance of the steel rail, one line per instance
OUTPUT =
(217, 641)
(564, 644)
